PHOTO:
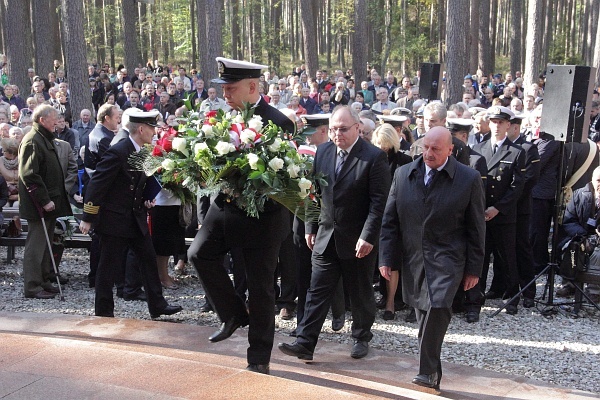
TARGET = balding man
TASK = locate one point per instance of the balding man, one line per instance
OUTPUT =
(439, 245)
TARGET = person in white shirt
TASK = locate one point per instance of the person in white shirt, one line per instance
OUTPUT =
(213, 102)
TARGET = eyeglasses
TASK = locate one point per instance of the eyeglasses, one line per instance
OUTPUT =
(342, 129)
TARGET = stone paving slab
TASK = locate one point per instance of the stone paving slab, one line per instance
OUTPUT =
(73, 357)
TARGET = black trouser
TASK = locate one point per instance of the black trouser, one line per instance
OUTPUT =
(206, 253)
(111, 264)
(286, 270)
(327, 268)
(501, 239)
(433, 325)
(541, 220)
(525, 256)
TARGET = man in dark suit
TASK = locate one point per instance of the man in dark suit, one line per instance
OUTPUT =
(506, 177)
(434, 230)
(344, 242)
(114, 202)
(226, 226)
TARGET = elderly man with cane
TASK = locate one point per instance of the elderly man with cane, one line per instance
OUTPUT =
(42, 198)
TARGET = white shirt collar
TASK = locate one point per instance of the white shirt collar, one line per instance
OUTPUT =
(427, 168)
(349, 149)
(137, 146)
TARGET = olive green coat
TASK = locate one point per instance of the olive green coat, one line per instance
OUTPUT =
(41, 176)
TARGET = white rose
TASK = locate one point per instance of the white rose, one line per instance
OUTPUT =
(256, 123)
(238, 119)
(276, 145)
(208, 131)
(224, 148)
(252, 160)
(180, 144)
(247, 136)
(198, 147)
(276, 163)
(168, 164)
(305, 186)
(293, 170)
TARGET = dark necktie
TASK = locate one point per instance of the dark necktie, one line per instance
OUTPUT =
(495, 149)
(340, 161)
(430, 176)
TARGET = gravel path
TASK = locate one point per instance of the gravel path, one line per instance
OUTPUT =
(558, 349)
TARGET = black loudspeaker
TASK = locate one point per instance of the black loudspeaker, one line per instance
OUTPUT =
(567, 101)
(430, 85)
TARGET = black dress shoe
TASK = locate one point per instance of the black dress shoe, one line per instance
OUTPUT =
(338, 323)
(296, 350)
(168, 310)
(42, 295)
(52, 289)
(360, 349)
(429, 381)
(472, 317)
(388, 315)
(260, 368)
(528, 303)
(490, 295)
(411, 317)
(139, 296)
(511, 309)
(227, 328)
(206, 307)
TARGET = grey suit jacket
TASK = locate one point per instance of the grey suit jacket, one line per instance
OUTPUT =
(68, 162)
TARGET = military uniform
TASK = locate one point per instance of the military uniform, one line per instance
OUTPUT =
(505, 180)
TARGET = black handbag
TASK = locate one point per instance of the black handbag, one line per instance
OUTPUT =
(576, 255)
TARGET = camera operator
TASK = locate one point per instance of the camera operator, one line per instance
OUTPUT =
(582, 217)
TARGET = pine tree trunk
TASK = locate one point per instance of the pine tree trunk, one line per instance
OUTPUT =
(235, 30)
(276, 23)
(17, 60)
(456, 46)
(473, 46)
(42, 30)
(76, 57)
(55, 31)
(214, 43)
(515, 37)
(493, 34)
(360, 41)
(202, 44)
(597, 54)
(484, 37)
(130, 36)
(310, 39)
(532, 56)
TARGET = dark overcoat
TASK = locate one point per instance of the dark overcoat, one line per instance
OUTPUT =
(434, 235)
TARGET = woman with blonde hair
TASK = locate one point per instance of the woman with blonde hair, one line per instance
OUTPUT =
(386, 138)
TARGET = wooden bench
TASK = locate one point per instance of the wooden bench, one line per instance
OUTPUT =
(77, 241)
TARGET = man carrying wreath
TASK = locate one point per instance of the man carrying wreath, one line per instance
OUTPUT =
(226, 226)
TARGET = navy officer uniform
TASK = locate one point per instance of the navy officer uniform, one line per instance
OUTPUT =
(114, 203)
(505, 180)
(226, 226)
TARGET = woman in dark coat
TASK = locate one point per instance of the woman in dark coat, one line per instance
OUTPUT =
(386, 138)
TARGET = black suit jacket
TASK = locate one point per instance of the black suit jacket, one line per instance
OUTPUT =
(505, 179)
(532, 174)
(351, 205)
(114, 196)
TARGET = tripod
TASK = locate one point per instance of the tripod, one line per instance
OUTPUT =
(550, 306)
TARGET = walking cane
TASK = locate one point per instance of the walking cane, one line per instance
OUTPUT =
(31, 190)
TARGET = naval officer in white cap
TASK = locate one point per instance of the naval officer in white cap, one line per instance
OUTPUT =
(226, 226)
(115, 204)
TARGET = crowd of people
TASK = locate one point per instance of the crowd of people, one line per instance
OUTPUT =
(413, 165)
